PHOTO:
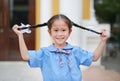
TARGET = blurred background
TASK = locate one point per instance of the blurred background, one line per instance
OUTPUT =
(95, 14)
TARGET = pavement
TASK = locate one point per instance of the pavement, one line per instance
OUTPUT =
(108, 71)
(97, 73)
(20, 71)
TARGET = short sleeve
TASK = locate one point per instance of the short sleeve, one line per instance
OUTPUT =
(84, 57)
(36, 58)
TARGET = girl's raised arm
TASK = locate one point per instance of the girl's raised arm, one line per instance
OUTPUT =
(22, 45)
(99, 50)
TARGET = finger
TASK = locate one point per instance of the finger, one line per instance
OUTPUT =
(103, 32)
(15, 27)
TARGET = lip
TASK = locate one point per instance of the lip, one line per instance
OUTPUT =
(59, 38)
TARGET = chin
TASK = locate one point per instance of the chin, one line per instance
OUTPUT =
(61, 43)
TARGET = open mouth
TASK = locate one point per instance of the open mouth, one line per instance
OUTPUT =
(59, 38)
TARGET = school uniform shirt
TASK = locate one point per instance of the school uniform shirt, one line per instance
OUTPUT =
(60, 64)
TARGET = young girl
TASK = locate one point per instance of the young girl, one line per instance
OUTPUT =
(60, 61)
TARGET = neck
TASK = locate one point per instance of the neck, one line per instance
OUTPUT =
(60, 46)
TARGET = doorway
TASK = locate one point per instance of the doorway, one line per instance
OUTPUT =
(15, 12)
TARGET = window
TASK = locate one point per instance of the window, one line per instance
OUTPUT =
(19, 12)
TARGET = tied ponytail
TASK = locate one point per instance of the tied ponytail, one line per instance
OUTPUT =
(65, 18)
(88, 29)
(33, 26)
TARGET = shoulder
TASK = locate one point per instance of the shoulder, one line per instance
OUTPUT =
(47, 50)
(76, 48)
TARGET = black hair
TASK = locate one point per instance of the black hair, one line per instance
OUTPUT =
(51, 21)
(58, 16)
(66, 20)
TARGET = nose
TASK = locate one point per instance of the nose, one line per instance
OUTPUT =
(60, 33)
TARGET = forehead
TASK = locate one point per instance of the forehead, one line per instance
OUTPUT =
(59, 22)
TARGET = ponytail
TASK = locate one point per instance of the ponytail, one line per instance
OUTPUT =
(34, 26)
(88, 29)
(51, 20)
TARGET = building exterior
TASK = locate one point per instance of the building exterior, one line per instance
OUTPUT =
(79, 11)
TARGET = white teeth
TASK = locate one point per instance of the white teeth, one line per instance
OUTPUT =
(60, 38)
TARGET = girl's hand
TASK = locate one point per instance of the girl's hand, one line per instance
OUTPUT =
(104, 35)
(15, 29)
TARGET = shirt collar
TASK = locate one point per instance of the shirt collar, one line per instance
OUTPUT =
(53, 48)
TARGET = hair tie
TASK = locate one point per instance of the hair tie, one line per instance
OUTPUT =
(33, 26)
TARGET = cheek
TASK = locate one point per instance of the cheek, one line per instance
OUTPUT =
(69, 32)
(52, 34)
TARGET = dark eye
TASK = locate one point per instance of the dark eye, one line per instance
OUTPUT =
(55, 30)
(63, 30)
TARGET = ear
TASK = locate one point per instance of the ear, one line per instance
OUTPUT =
(49, 31)
(70, 31)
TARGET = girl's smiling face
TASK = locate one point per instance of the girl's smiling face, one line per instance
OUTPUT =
(59, 32)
